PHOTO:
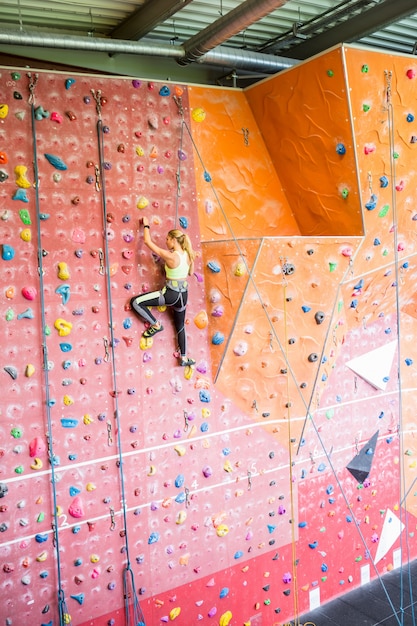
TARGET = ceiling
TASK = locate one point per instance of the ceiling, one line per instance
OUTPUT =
(261, 36)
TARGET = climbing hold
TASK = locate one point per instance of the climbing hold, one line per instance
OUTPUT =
(173, 614)
(201, 319)
(63, 272)
(371, 204)
(340, 149)
(3, 176)
(40, 113)
(56, 117)
(4, 109)
(153, 538)
(30, 370)
(29, 293)
(142, 203)
(12, 371)
(37, 463)
(26, 235)
(198, 114)
(7, 253)
(21, 180)
(225, 618)
(182, 155)
(164, 91)
(183, 222)
(55, 161)
(217, 339)
(383, 181)
(288, 269)
(76, 508)
(313, 357)
(25, 217)
(63, 327)
(64, 292)
(319, 317)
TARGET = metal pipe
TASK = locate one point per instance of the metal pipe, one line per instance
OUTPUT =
(226, 26)
(225, 56)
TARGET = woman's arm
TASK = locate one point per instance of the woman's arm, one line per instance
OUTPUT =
(166, 255)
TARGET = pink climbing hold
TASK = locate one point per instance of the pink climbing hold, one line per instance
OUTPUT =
(56, 117)
(29, 293)
(411, 73)
(36, 447)
(76, 508)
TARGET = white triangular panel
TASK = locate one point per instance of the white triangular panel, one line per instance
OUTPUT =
(375, 366)
(391, 530)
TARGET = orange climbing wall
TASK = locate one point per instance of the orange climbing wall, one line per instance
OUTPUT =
(203, 488)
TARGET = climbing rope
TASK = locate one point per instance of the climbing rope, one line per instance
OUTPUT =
(64, 617)
(133, 612)
(402, 486)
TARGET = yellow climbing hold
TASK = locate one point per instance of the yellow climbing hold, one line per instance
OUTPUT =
(42, 556)
(180, 450)
(140, 151)
(37, 464)
(205, 413)
(188, 372)
(94, 558)
(145, 343)
(59, 510)
(63, 272)
(142, 202)
(30, 370)
(152, 470)
(87, 419)
(181, 517)
(4, 109)
(240, 269)
(222, 530)
(90, 487)
(198, 114)
(228, 467)
(67, 618)
(21, 180)
(173, 614)
(26, 234)
(225, 618)
(68, 400)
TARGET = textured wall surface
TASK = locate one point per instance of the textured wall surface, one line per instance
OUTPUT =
(278, 472)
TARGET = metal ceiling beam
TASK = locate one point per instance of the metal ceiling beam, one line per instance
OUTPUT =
(147, 17)
(244, 15)
(375, 18)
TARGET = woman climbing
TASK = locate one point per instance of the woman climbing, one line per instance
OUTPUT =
(179, 264)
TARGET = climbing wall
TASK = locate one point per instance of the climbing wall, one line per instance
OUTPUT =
(278, 472)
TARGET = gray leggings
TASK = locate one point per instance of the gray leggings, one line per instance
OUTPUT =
(165, 297)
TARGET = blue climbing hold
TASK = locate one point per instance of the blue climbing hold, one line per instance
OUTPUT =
(183, 222)
(207, 177)
(79, 597)
(340, 149)
(164, 91)
(68, 83)
(204, 427)
(238, 554)
(371, 204)
(153, 538)
(20, 194)
(408, 361)
(64, 292)
(213, 267)
(204, 395)
(383, 181)
(181, 497)
(217, 339)
(306, 308)
(410, 117)
(68, 422)
(27, 314)
(224, 592)
(65, 347)
(359, 285)
(7, 252)
(377, 242)
(55, 161)
(73, 491)
(41, 538)
(179, 481)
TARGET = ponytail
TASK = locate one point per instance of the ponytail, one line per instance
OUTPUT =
(184, 241)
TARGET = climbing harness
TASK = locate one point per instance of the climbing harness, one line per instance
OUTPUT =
(133, 612)
(64, 617)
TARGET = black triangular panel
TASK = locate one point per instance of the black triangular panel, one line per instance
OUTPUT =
(361, 464)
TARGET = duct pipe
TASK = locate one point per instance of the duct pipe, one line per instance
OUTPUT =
(224, 56)
(227, 26)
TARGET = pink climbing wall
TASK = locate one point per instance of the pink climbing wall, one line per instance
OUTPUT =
(219, 494)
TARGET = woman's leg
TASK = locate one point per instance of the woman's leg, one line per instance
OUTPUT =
(141, 303)
(179, 309)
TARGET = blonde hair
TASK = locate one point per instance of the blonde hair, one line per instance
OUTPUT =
(184, 241)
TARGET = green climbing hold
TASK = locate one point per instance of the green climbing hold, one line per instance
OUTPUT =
(366, 108)
(329, 413)
(384, 210)
(396, 155)
(40, 517)
(19, 469)
(330, 73)
(332, 266)
(25, 217)
(9, 315)
(47, 330)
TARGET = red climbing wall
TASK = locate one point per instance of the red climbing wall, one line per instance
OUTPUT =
(270, 477)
